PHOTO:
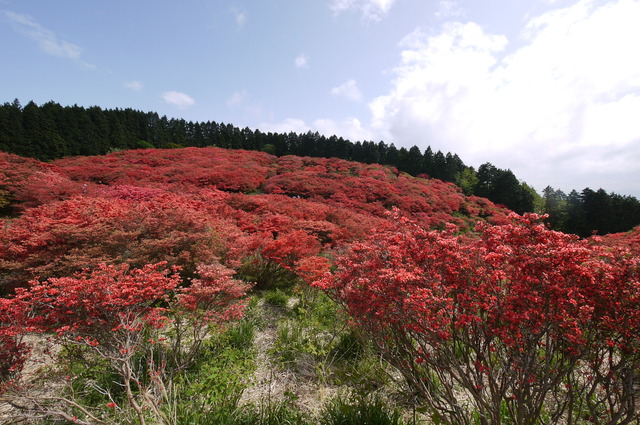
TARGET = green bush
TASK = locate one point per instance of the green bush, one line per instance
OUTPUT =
(209, 392)
(266, 273)
(271, 412)
(358, 411)
(276, 298)
(348, 347)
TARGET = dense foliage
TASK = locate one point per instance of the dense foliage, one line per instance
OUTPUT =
(590, 211)
(132, 320)
(190, 206)
(522, 325)
(124, 269)
(51, 131)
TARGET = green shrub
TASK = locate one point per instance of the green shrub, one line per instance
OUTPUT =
(266, 273)
(348, 347)
(358, 411)
(276, 298)
(209, 392)
(271, 412)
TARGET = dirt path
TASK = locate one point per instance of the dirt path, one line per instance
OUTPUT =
(272, 381)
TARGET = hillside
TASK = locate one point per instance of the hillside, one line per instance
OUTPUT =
(270, 220)
(246, 196)
(215, 286)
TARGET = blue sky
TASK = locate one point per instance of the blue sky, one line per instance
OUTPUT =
(547, 88)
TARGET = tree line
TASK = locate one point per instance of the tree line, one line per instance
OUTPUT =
(51, 131)
(590, 210)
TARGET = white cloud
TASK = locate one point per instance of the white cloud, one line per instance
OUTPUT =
(289, 124)
(567, 98)
(449, 9)
(134, 85)
(370, 9)
(437, 79)
(237, 98)
(301, 61)
(240, 16)
(350, 128)
(349, 90)
(46, 39)
(176, 98)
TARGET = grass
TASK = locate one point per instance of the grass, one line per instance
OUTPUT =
(311, 334)
(276, 298)
(358, 411)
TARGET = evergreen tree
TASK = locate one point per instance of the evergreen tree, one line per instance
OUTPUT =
(427, 162)
(453, 167)
(370, 153)
(439, 170)
(486, 177)
(411, 161)
(11, 131)
(383, 153)
(576, 217)
(392, 156)
(41, 140)
(555, 204)
(598, 210)
(99, 130)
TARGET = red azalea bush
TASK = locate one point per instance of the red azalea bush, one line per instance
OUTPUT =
(61, 238)
(85, 230)
(520, 325)
(215, 297)
(106, 300)
(13, 351)
(133, 319)
(231, 170)
(630, 239)
(360, 188)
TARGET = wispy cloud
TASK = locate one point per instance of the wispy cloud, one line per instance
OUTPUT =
(348, 90)
(237, 98)
(301, 61)
(134, 85)
(370, 9)
(449, 9)
(46, 39)
(240, 16)
(179, 99)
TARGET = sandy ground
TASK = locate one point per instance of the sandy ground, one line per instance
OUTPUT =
(273, 382)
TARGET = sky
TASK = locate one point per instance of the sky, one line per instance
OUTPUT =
(547, 88)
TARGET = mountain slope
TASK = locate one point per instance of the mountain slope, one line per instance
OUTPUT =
(187, 206)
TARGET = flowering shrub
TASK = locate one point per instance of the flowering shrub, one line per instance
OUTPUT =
(17, 176)
(12, 351)
(515, 325)
(214, 298)
(61, 238)
(86, 229)
(96, 306)
(133, 319)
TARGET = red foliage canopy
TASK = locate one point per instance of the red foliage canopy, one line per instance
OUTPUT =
(95, 304)
(508, 316)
